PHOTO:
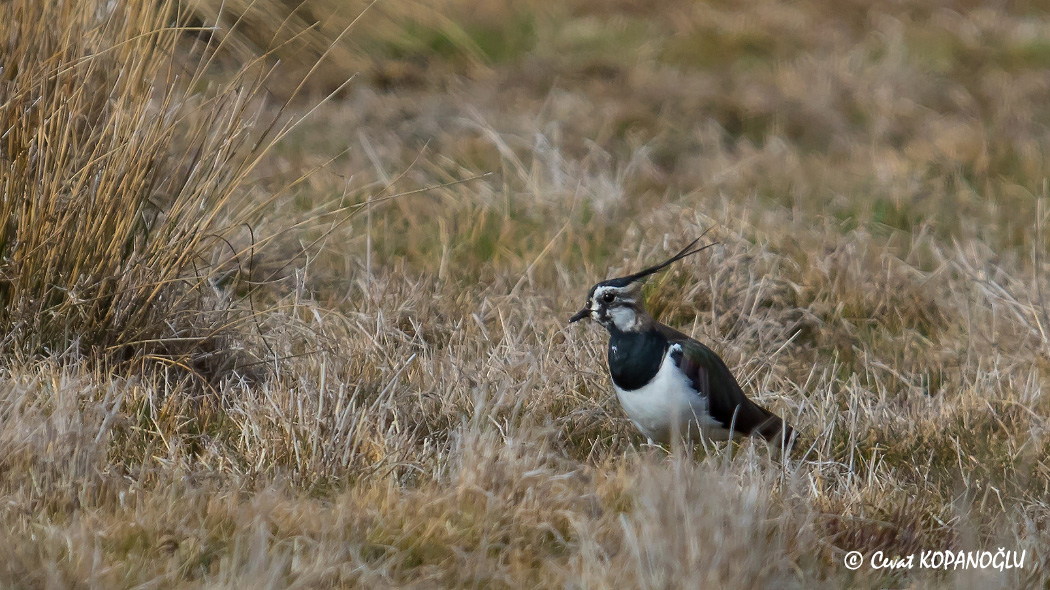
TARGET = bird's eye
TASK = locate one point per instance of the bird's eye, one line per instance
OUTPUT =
(608, 298)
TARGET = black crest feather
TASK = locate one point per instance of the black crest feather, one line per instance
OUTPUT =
(689, 250)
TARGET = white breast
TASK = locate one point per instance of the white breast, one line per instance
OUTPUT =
(668, 406)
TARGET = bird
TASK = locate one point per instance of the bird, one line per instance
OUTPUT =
(670, 385)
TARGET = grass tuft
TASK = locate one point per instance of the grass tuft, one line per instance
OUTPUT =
(121, 187)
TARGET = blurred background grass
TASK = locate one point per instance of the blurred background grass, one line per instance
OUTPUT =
(887, 117)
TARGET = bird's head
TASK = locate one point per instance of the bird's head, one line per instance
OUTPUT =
(614, 303)
(617, 303)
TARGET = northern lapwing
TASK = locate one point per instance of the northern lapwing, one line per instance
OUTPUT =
(669, 384)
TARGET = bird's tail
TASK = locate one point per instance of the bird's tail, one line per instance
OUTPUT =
(776, 431)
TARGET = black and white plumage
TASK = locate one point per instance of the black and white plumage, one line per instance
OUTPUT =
(669, 384)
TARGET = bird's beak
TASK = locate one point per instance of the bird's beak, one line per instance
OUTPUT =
(580, 315)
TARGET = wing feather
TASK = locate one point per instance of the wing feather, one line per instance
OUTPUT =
(726, 400)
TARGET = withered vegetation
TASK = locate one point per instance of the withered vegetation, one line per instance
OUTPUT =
(285, 286)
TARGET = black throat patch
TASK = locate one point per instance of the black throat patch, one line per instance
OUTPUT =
(635, 357)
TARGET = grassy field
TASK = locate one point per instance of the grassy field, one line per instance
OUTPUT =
(284, 291)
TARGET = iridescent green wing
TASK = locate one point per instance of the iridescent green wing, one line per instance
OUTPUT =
(711, 377)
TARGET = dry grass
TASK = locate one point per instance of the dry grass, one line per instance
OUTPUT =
(120, 186)
(388, 396)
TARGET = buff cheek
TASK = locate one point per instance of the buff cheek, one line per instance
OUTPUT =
(623, 318)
